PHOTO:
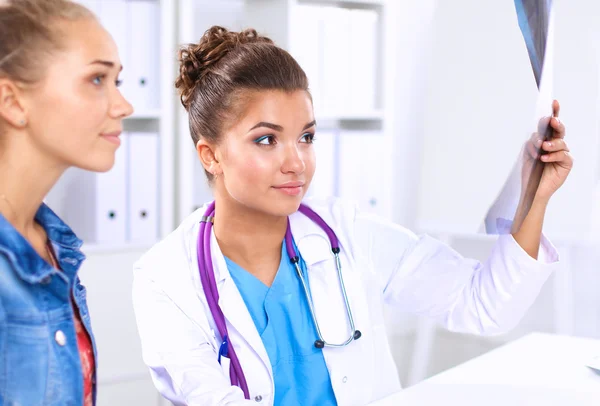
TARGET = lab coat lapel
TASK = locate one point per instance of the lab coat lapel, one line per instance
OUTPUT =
(315, 249)
(354, 362)
(234, 308)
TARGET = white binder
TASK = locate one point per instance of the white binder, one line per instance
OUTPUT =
(363, 61)
(325, 178)
(360, 177)
(114, 16)
(143, 182)
(335, 79)
(144, 23)
(306, 47)
(110, 195)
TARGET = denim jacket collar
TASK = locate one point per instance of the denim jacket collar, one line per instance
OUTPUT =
(26, 261)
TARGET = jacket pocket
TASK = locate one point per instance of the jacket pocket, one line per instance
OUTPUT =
(26, 363)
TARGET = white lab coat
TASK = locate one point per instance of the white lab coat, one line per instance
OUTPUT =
(382, 264)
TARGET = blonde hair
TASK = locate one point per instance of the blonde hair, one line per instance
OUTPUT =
(30, 32)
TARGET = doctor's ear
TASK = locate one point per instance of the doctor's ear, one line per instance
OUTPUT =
(208, 157)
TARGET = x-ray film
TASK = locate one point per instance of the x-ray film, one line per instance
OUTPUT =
(514, 201)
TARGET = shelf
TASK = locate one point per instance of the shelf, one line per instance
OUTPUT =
(374, 115)
(145, 115)
(346, 3)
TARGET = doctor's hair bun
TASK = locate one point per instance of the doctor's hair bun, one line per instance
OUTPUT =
(196, 61)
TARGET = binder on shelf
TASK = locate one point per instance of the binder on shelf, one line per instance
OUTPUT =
(110, 196)
(326, 174)
(114, 16)
(143, 187)
(307, 48)
(335, 78)
(360, 162)
(364, 60)
(144, 23)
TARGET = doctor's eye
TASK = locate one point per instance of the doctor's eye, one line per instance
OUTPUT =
(308, 138)
(265, 140)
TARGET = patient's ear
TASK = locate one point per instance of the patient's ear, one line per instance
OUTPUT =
(12, 108)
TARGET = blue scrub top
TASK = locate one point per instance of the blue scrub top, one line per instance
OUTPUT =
(282, 318)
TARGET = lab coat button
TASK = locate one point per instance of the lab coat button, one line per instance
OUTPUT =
(345, 379)
(60, 338)
(258, 398)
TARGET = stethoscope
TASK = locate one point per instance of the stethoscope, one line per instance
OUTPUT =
(236, 374)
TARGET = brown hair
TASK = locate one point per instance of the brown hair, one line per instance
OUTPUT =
(217, 75)
(29, 31)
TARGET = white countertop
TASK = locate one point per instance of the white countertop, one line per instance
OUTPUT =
(538, 369)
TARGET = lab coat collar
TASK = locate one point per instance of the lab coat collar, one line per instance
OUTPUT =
(311, 240)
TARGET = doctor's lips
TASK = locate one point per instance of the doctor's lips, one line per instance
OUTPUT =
(112, 137)
(290, 188)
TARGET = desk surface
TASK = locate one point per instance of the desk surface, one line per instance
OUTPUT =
(538, 369)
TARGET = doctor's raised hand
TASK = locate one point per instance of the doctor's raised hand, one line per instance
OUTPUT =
(549, 162)
(557, 158)
(265, 297)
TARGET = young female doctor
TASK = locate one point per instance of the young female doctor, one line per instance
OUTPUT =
(262, 298)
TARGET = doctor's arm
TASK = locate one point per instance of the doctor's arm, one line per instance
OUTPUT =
(418, 274)
(182, 361)
(424, 276)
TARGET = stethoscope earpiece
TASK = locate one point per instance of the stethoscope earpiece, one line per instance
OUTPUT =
(357, 334)
(319, 344)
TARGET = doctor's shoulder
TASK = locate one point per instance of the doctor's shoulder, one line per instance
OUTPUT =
(362, 229)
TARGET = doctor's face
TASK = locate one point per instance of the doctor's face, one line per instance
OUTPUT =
(267, 158)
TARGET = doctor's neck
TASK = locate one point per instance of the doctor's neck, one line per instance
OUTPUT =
(250, 238)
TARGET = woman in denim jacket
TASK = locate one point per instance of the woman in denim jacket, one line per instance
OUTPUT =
(59, 108)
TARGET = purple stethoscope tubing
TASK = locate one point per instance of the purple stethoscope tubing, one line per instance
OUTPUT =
(209, 286)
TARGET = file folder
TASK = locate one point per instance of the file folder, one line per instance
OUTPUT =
(360, 164)
(144, 29)
(143, 182)
(114, 16)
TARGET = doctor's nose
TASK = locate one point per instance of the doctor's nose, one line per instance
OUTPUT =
(293, 162)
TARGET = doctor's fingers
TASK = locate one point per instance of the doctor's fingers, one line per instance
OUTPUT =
(555, 108)
(532, 146)
(556, 144)
(559, 127)
(563, 158)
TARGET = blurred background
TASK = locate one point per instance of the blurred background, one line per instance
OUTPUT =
(422, 108)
